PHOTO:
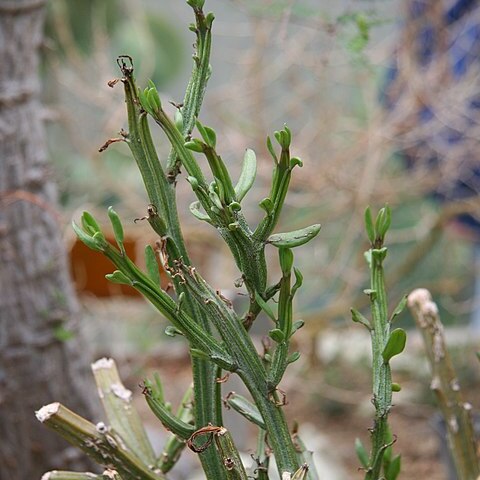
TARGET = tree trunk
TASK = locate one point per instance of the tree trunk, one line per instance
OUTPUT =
(37, 302)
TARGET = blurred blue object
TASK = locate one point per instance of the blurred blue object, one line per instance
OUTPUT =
(432, 93)
(432, 98)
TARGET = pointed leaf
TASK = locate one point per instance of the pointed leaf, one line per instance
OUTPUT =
(117, 227)
(361, 453)
(297, 326)
(271, 150)
(357, 317)
(247, 176)
(208, 134)
(85, 238)
(295, 161)
(89, 223)
(246, 408)
(369, 225)
(394, 468)
(195, 211)
(293, 357)
(399, 308)
(264, 306)
(298, 280)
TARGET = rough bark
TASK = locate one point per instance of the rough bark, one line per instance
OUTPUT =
(36, 295)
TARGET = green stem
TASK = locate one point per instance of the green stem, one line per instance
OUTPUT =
(382, 377)
(162, 195)
(250, 369)
(279, 437)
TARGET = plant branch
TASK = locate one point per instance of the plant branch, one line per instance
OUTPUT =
(455, 411)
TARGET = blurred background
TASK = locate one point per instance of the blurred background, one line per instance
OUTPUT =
(382, 98)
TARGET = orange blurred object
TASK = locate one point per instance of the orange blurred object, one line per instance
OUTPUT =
(89, 269)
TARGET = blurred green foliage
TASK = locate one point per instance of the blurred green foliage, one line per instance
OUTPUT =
(158, 36)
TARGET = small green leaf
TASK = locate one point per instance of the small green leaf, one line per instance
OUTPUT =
(118, 277)
(382, 223)
(264, 306)
(379, 221)
(234, 207)
(246, 408)
(297, 326)
(295, 161)
(271, 150)
(399, 308)
(247, 176)
(369, 225)
(278, 136)
(357, 317)
(209, 18)
(215, 200)
(295, 238)
(208, 134)
(276, 335)
(142, 96)
(387, 220)
(293, 357)
(267, 205)
(195, 211)
(193, 182)
(393, 469)
(117, 227)
(89, 223)
(145, 101)
(288, 135)
(196, 3)
(395, 344)
(298, 281)
(361, 453)
(153, 97)
(85, 238)
(396, 387)
(195, 145)
(220, 188)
